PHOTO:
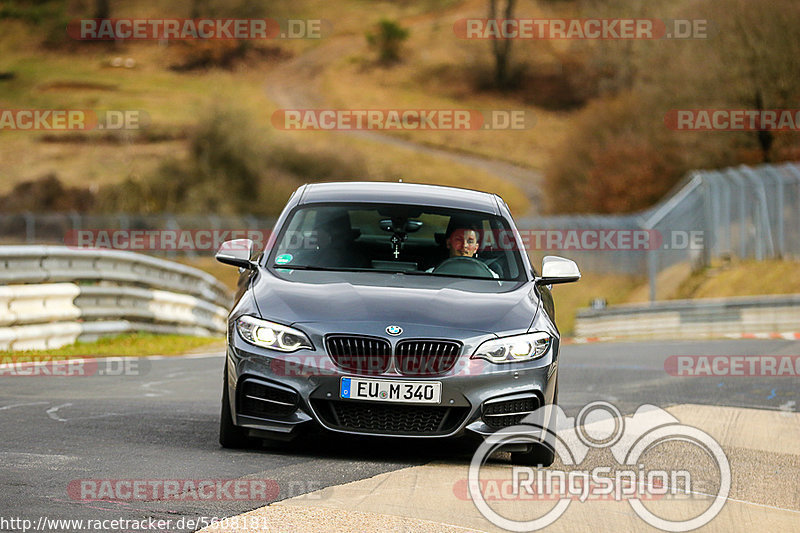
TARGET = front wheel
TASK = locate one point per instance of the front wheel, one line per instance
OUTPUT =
(541, 454)
(230, 435)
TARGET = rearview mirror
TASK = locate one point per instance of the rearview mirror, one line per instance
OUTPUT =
(400, 226)
(558, 270)
(237, 253)
(413, 225)
(387, 224)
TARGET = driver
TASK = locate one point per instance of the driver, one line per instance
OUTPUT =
(463, 242)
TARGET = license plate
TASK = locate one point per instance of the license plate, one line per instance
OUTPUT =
(383, 390)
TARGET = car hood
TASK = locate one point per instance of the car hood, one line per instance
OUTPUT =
(395, 302)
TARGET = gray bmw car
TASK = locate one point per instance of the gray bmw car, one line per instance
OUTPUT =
(390, 309)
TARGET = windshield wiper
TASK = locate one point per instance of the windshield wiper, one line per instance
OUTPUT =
(320, 268)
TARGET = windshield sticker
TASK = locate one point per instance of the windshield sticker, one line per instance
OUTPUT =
(283, 259)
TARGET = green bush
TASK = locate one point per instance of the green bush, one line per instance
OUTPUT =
(387, 40)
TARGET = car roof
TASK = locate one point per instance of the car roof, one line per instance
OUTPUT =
(400, 193)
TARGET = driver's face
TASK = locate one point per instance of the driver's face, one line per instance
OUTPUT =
(463, 243)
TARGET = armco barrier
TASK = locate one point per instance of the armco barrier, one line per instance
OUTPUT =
(39, 336)
(47, 264)
(146, 305)
(37, 304)
(117, 292)
(692, 319)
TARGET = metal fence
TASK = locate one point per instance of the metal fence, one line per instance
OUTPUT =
(57, 228)
(741, 212)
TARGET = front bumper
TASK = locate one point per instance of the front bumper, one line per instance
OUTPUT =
(279, 396)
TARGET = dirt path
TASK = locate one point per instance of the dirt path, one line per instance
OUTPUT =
(296, 84)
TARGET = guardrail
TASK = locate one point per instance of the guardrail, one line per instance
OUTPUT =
(72, 295)
(47, 264)
(692, 319)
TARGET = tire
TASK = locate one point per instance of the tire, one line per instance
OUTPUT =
(230, 435)
(541, 454)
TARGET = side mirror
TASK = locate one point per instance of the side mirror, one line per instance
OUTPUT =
(558, 270)
(237, 253)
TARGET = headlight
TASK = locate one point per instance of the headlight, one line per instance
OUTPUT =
(514, 349)
(271, 335)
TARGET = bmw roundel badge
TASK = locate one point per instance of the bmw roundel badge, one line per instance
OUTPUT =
(394, 330)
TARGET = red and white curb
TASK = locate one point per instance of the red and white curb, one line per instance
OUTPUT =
(789, 336)
(585, 340)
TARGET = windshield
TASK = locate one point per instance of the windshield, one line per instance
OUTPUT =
(391, 238)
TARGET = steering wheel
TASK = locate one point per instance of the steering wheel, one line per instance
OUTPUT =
(494, 261)
(464, 266)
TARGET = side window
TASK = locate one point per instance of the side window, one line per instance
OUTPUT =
(506, 257)
(487, 234)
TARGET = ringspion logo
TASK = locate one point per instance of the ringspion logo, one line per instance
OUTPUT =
(601, 425)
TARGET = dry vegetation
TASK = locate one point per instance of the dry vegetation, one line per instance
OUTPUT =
(131, 344)
(157, 166)
(599, 132)
(741, 278)
(618, 155)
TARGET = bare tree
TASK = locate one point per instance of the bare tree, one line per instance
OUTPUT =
(501, 47)
(102, 9)
(759, 57)
(200, 8)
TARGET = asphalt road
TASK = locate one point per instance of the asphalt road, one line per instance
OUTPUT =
(160, 422)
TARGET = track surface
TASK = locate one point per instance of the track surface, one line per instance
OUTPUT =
(162, 424)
